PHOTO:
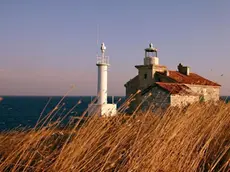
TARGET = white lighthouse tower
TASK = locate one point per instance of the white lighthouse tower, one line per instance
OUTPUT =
(101, 107)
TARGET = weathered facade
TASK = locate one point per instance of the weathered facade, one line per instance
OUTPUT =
(208, 93)
(156, 97)
(167, 87)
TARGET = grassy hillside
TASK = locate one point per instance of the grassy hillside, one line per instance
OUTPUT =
(196, 138)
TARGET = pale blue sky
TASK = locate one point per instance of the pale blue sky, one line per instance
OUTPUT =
(47, 45)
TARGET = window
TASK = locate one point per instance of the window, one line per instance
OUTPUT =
(145, 76)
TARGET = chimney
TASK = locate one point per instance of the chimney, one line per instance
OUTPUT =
(166, 72)
(185, 70)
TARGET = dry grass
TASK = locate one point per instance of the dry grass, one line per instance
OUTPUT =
(196, 138)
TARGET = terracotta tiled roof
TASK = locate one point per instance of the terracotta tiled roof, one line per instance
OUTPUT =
(175, 88)
(171, 88)
(192, 78)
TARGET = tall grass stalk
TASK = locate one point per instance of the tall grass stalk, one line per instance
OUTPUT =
(195, 138)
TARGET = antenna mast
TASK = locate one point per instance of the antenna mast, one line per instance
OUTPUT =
(97, 37)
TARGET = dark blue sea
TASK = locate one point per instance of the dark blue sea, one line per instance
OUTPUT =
(23, 112)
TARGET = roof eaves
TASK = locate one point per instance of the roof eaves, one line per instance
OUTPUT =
(165, 76)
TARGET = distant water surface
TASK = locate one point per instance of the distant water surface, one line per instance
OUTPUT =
(24, 111)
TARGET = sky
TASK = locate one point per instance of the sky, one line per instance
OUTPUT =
(48, 45)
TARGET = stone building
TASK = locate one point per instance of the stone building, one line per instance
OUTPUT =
(167, 87)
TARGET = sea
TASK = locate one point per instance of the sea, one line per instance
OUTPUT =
(18, 112)
(24, 111)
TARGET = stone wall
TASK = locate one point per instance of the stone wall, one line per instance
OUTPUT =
(159, 68)
(132, 86)
(208, 92)
(183, 100)
(159, 98)
(145, 74)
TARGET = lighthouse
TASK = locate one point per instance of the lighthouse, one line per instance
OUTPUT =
(102, 63)
(102, 107)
